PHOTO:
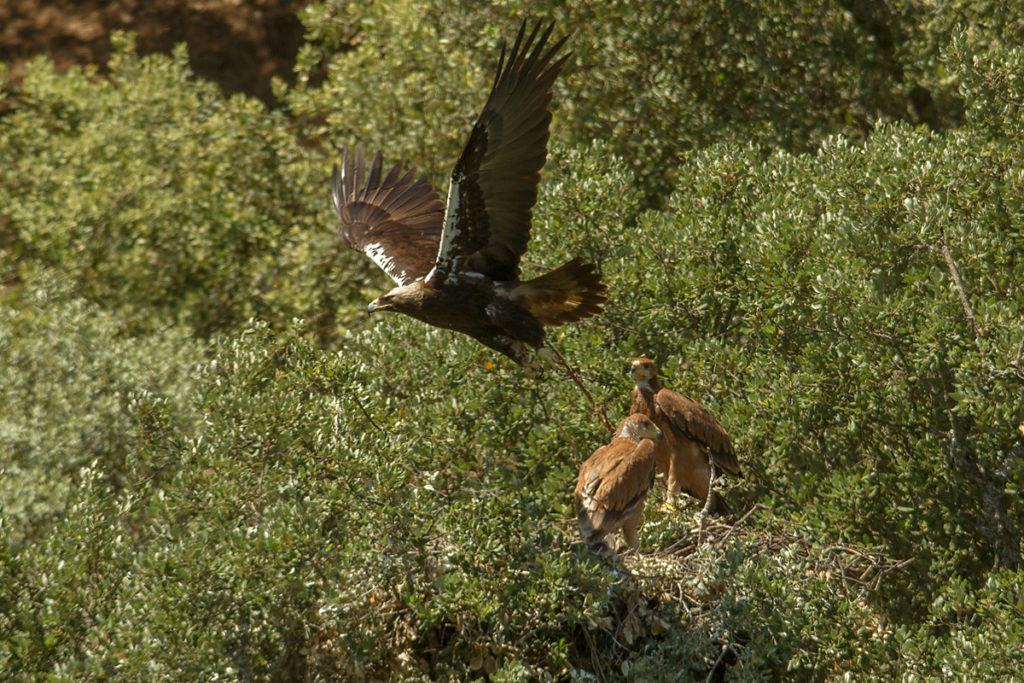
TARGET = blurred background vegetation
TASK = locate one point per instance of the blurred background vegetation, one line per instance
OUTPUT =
(811, 214)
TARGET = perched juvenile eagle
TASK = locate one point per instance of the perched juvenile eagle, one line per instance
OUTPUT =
(691, 434)
(457, 266)
(613, 484)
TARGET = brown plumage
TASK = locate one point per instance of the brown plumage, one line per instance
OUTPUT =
(457, 265)
(692, 434)
(614, 482)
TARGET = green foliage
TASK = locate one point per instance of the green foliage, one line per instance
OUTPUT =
(843, 317)
(971, 633)
(157, 197)
(653, 79)
(272, 544)
(68, 374)
(213, 467)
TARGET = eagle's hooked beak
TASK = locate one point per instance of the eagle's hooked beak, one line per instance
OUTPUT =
(377, 305)
(382, 303)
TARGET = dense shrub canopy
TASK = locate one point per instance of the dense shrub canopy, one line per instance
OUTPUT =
(811, 215)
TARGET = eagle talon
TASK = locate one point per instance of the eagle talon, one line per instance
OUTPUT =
(534, 371)
(548, 356)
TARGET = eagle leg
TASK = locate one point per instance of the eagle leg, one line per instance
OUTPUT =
(515, 322)
(548, 356)
(629, 529)
(534, 371)
(514, 349)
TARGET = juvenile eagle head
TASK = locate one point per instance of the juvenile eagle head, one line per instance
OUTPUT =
(643, 370)
(638, 427)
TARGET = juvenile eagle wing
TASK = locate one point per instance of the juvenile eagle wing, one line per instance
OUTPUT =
(394, 219)
(696, 423)
(494, 182)
(614, 480)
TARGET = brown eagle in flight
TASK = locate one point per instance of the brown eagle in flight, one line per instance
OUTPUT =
(457, 264)
(614, 482)
(692, 435)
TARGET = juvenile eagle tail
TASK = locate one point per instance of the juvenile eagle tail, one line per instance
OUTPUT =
(567, 294)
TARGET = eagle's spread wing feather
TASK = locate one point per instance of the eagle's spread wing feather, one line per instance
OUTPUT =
(494, 182)
(395, 219)
(698, 424)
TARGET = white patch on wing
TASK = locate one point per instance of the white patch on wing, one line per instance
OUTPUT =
(377, 252)
(470, 273)
(451, 229)
(503, 290)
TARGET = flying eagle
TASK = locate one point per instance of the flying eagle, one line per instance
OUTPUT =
(457, 265)
(614, 482)
(692, 434)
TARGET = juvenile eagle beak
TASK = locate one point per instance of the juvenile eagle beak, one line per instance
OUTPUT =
(372, 306)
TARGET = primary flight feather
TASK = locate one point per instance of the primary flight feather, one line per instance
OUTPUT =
(456, 264)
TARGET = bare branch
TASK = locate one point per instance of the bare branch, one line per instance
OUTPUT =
(965, 301)
(583, 388)
(706, 510)
(366, 413)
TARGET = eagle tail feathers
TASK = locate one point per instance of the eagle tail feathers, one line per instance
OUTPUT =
(567, 294)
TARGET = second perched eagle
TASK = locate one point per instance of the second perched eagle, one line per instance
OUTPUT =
(613, 485)
(457, 265)
(692, 435)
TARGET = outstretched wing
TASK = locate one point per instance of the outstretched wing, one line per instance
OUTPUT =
(698, 424)
(395, 220)
(494, 182)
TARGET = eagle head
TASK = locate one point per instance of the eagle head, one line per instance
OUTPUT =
(643, 370)
(404, 299)
(638, 427)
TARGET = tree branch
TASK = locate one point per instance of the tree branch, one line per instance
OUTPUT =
(964, 300)
(706, 510)
(583, 388)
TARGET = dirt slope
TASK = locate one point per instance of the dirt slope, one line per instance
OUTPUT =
(240, 44)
